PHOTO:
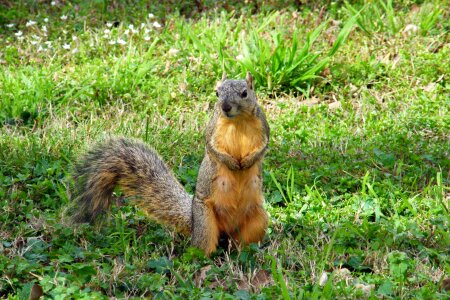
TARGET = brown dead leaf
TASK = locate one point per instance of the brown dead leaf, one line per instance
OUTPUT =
(325, 72)
(261, 279)
(218, 283)
(200, 276)
(167, 67)
(335, 105)
(183, 87)
(36, 292)
(243, 284)
(415, 8)
(445, 286)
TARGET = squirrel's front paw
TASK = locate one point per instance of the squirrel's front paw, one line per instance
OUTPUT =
(246, 162)
(233, 164)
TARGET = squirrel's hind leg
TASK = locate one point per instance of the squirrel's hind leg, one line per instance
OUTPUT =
(205, 233)
(253, 228)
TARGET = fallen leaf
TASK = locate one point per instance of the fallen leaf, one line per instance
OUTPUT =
(446, 284)
(326, 72)
(323, 279)
(335, 105)
(243, 284)
(200, 276)
(261, 279)
(218, 283)
(36, 292)
(167, 67)
(183, 87)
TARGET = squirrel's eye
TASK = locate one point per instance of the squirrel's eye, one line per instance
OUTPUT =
(217, 93)
(244, 94)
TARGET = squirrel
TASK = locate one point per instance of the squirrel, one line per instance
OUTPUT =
(228, 198)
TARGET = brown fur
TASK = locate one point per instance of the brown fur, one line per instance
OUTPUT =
(229, 186)
(143, 178)
(228, 197)
(240, 136)
(236, 195)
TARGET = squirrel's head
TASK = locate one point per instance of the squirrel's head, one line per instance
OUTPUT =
(236, 96)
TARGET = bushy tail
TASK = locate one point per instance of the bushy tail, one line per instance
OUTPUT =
(141, 175)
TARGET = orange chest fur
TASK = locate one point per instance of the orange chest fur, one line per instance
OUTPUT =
(236, 193)
(238, 137)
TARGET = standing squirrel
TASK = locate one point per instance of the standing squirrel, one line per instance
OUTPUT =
(228, 197)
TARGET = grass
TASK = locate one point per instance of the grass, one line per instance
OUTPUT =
(356, 179)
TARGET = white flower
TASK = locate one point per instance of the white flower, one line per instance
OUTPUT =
(48, 43)
(131, 26)
(106, 31)
(46, 20)
(10, 25)
(34, 42)
(35, 37)
(142, 25)
(109, 24)
(53, 3)
(156, 24)
(151, 16)
(240, 57)
(105, 36)
(66, 46)
(74, 50)
(30, 23)
(410, 28)
(91, 45)
(127, 32)
(44, 28)
(146, 30)
(134, 31)
(40, 48)
(112, 42)
(18, 33)
(74, 38)
(173, 51)
(63, 17)
(121, 42)
(147, 38)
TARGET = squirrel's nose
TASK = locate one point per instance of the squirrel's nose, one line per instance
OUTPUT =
(226, 107)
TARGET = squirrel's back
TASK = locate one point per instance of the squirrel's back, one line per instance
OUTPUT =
(142, 176)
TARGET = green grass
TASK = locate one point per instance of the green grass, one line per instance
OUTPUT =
(356, 179)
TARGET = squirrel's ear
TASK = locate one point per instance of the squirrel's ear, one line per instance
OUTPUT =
(249, 80)
(219, 83)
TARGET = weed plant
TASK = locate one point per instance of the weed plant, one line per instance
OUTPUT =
(356, 180)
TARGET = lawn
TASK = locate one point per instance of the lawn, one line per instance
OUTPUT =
(356, 179)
